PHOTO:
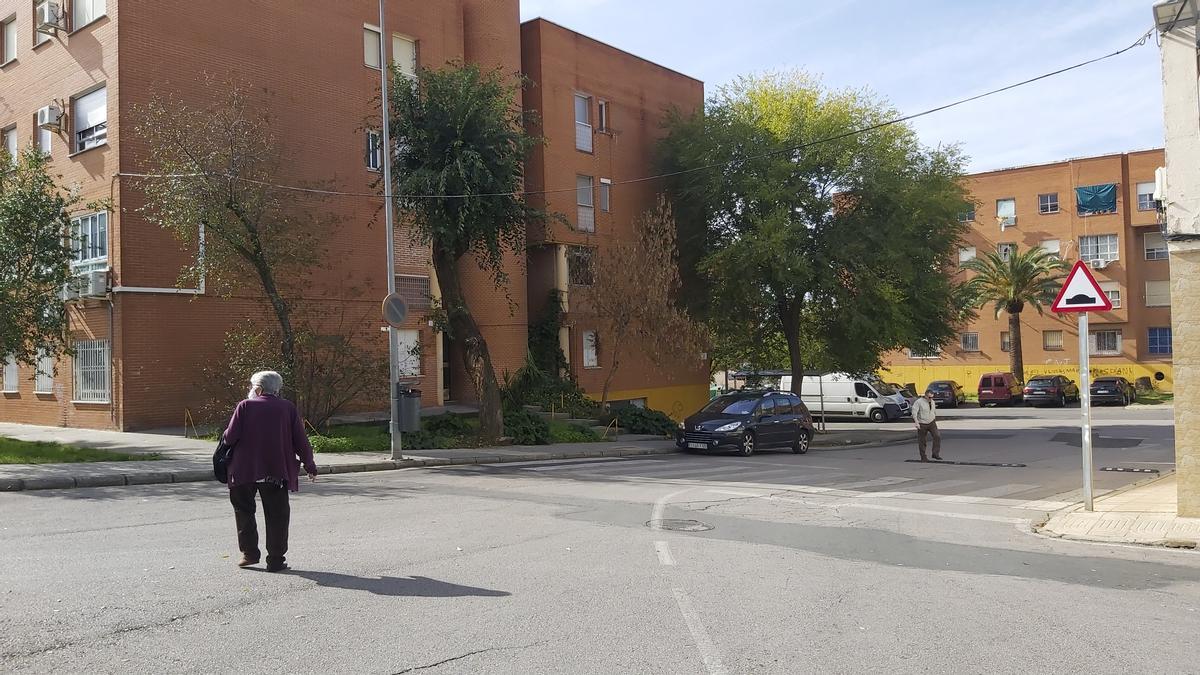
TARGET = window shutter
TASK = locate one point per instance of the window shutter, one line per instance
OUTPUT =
(91, 109)
(404, 55)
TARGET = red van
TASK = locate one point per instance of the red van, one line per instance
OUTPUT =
(999, 389)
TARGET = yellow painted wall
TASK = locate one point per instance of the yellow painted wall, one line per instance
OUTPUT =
(968, 376)
(678, 401)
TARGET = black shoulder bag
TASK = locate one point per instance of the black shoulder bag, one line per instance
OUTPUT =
(221, 459)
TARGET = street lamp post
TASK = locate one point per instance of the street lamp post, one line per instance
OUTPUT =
(389, 227)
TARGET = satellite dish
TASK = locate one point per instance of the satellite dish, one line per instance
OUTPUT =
(395, 310)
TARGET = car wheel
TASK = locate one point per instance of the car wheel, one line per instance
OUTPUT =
(803, 440)
(878, 415)
(1062, 400)
(747, 448)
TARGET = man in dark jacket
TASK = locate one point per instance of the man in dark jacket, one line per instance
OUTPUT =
(269, 445)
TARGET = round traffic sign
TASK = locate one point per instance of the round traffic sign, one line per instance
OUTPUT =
(395, 310)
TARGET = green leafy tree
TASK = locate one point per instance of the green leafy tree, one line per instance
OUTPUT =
(458, 172)
(839, 242)
(1028, 278)
(35, 257)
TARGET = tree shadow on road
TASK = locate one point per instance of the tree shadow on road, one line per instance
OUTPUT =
(413, 587)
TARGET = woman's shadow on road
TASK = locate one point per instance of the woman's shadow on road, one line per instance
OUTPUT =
(415, 587)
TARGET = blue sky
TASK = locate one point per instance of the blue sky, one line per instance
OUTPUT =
(918, 54)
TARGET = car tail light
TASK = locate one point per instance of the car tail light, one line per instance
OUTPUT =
(1052, 390)
(1028, 390)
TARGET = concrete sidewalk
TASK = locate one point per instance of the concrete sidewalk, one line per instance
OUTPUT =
(1144, 513)
(186, 460)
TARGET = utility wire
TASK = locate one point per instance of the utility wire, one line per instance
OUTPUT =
(854, 132)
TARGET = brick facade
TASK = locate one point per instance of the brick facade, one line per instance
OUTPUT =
(321, 97)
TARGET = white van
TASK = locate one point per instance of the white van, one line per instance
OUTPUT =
(842, 395)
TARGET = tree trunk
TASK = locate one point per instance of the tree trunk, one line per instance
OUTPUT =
(476, 359)
(1016, 359)
(616, 362)
(790, 323)
(283, 313)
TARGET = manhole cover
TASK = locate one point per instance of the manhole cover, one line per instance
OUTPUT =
(678, 525)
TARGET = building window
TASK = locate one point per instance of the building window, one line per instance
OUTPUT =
(1104, 342)
(414, 289)
(1006, 250)
(374, 151)
(11, 374)
(966, 254)
(404, 55)
(1098, 247)
(1005, 341)
(579, 266)
(1145, 197)
(967, 216)
(1051, 246)
(602, 116)
(591, 349)
(583, 123)
(372, 44)
(85, 12)
(90, 119)
(92, 371)
(1113, 290)
(1006, 212)
(43, 382)
(1048, 203)
(8, 140)
(1095, 200)
(409, 361)
(89, 242)
(605, 194)
(8, 40)
(924, 353)
(1160, 340)
(1155, 246)
(585, 200)
(969, 342)
(1158, 293)
(1052, 340)
(41, 13)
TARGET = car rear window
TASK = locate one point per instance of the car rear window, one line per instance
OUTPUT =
(985, 382)
(1042, 380)
(940, 386)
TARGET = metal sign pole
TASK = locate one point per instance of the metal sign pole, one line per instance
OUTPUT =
(389, 227)
(1085, 406)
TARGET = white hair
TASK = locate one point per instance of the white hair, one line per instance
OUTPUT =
(268, 381)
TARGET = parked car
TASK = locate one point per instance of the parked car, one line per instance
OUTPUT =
(999, 389)
(1113, 389)
(749, 421)
(1053, 389)
(843, 395)
(948, 393)
(907, 392)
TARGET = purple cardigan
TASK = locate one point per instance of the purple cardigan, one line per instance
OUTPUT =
(268, 441)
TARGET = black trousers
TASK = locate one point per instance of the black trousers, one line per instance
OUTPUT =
(930, 429)
(277, 513)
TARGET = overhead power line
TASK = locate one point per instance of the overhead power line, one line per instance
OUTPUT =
(790, 149)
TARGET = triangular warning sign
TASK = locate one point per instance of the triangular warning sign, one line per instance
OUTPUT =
(1081, 293)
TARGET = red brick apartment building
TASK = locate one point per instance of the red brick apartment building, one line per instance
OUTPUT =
(1039, 206)
(141, 340)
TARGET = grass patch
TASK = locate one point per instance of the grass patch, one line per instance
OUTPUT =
(566, 432)
(1155, 397)
(13, 451)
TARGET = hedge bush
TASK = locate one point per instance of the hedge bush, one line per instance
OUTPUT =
(526, 428)
(637, 420)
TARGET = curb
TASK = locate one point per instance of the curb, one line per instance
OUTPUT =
(1040, 529)
(205, 475)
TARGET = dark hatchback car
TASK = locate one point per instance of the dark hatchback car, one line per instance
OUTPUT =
(947, 393)
(1051, 389)
(749, 421)
(1112, 389)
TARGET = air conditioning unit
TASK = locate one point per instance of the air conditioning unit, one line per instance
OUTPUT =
(1098, 263)
(50, 19)
(1160, 184)
(50, 118)
(94, 284)
(69, 291)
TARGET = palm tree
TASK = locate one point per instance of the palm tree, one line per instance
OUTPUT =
(1023, 278)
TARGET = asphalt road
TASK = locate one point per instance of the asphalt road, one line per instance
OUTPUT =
(840, 561)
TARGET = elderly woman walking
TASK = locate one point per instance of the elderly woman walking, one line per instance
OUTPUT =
(269, 444)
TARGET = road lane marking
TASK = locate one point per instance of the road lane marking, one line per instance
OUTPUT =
(704, 644)
(597, 463)
(876, 482)
(928, 512)
(664, 553)
(660, 505)
(985, 494)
